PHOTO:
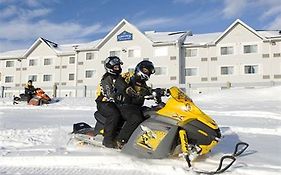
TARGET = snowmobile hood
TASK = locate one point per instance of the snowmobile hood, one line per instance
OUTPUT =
(181, 108)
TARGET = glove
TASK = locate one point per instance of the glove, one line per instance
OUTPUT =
(145, 91)
(30, 93)
(131, 92)
(159, 92)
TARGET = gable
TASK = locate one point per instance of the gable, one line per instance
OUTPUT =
(39, 49)
(239, 33)
(123, 34)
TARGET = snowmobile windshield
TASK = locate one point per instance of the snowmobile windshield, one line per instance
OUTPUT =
(179, 95)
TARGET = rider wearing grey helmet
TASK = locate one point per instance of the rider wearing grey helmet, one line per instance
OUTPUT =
(105, 100)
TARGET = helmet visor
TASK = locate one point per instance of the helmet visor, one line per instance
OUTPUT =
(146, 71)
(115, 61)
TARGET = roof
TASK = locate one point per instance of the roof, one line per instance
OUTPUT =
(165, 37)
(12, 54)
(270, 33)
(201, 39)
(213, 38)
(236, 22)
(58, 49)
(70, 48)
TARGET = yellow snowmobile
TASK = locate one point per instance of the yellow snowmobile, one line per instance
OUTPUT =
(177, 127)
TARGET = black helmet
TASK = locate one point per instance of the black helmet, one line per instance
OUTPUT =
(109, 64)
(144, 69)
(29, 81)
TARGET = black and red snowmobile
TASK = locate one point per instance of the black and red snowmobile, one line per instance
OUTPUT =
(38, 99)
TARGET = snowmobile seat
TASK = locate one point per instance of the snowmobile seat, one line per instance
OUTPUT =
(22, 97)
(81, 128)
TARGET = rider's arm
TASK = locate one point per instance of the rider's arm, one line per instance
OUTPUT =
(121, 85)
(108, 89)
(29, 90)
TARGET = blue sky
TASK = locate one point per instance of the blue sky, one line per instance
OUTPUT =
(76, 21)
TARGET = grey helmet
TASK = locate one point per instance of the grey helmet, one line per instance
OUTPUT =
(112, 61)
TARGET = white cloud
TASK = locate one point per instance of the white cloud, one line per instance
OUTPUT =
(14, 12)
(267, 11)
(183, 1)
(272, 8)
(154, 21)
(234, 8)
(15, 34)
(276, 24)
(20, 25)
(8, 12)
(32, 3)
(265, 8)
(20, 30)
(29, 3)
(11, 45)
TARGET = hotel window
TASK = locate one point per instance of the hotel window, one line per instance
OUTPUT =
(47, 61)
(161, 51)
(9, 79)
(134, 53)
(32, 77)
(32, 62)
(191, 71)
(251, 69)
(190, 52)
(10, 63)
(160, 70)
(227, 50)
(89, 73)
(90, 56)
(114, 53)
(227, 70)
(71, 60)
(47, 77)
(250, 48)
(131, 69)
(70, 77)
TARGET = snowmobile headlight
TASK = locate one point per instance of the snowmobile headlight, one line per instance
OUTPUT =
(187, 107)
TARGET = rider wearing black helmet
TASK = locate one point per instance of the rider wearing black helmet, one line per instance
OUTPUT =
(143, 70)
(105, 100)
(131, 89)
(29, 90)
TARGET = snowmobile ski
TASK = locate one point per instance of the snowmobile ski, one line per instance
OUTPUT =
(239, 149)
(93, 141)
(86, 139)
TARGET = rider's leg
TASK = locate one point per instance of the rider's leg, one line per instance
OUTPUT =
(133, 117)
(112, 115)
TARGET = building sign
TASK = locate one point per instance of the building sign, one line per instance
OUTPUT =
(125, 36)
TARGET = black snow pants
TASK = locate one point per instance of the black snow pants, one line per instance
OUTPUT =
(112, 114)
(133, 116)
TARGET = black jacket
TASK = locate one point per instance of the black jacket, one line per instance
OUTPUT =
(106, 90)
(29, 90)
(130, 91)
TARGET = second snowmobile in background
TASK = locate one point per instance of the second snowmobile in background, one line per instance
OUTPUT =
(39, 98)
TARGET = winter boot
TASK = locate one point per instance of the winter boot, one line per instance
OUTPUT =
(109, 143)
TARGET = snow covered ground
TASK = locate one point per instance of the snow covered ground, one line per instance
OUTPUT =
(33, 140)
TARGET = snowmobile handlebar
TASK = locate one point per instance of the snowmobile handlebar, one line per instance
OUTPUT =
(157, 93)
